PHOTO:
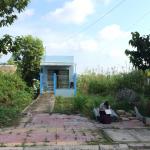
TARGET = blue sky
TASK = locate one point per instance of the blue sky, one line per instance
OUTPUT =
(62, 25)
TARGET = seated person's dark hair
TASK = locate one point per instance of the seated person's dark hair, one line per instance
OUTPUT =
(106, 104)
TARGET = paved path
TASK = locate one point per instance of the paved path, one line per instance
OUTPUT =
(39, 128)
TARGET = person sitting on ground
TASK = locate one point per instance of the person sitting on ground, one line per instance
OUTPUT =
(104, 116)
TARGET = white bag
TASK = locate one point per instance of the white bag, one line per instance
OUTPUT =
(107, 111)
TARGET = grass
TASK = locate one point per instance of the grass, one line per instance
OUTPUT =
(84, 104)
(63, 105)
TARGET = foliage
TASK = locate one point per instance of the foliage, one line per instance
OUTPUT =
(111, 84)
(7, 44)
(144, 106)
(134, 80)
(14, 97)
(94, 84)
(9, 10)
(139, 57)
(128, 95)
(8, 116)
(36, 88)
(147, 90)
(86, 104)
(27, 56)
(63, 105)
(100, 86)
(79, 103)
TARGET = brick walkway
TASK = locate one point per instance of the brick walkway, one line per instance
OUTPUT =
(45, 129)
(38, 127)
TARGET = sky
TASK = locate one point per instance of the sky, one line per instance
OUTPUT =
(95, 32)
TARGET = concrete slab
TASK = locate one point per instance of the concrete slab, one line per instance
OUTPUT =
(142, 135)
(120, 135)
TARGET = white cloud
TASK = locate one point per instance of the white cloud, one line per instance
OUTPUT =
(106, 2)
(75, 11)
(26, 13)
(90, 45)
(113, 42)
(113, 32)
(110, 41)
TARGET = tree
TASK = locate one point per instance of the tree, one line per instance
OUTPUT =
(9, 9)
(27, 55)
(6, 44)
(140, 55)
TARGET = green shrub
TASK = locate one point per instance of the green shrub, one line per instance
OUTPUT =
(128, 95)
(133, 80)
(144, 106)
(110, 84)
(147, 90)
(98, 87)
(79, 103)
(8, 116)
(15, 95)
(122, 105)
(63, 105)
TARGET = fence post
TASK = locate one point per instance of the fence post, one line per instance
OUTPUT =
(41, 83)
(55, 82)
(75, 84)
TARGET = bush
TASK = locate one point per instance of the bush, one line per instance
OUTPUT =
(147, 90)
(133, 80)
(144, 106)
(127, 95)
(79, 103)
(8, 116)
(110, 84)
(15, 95)
(63, 105)
(98, 87)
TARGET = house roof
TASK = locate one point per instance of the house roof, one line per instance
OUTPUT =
(57, 60)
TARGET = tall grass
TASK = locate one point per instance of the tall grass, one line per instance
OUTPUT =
(101, 84)
(107, 85)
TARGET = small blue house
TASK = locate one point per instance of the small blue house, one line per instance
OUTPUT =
(58, 75)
